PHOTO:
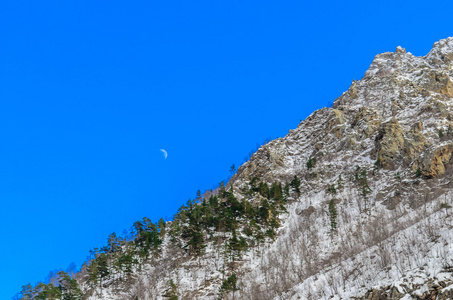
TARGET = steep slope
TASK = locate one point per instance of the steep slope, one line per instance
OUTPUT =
(372, 219)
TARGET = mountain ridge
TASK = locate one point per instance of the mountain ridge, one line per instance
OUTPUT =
(354, 204)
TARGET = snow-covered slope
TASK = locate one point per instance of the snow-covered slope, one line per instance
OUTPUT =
(382, 155)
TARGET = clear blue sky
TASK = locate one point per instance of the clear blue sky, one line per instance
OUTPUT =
(91, 90)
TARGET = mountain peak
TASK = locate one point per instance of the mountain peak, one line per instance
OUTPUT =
(441, 53)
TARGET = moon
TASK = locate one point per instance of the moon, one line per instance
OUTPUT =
(164, 152)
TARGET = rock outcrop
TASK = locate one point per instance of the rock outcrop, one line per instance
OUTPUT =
(389, 143)
(435, 161)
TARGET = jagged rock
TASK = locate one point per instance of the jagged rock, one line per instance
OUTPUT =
(435, 106)
(400, 49)
(414, 143)
(437, 81)
(334, 123)
(434, 162)
(442, 53)
(417, 127)
(389, 143)
(366, 121)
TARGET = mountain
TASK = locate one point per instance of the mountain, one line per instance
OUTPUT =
(355, 203)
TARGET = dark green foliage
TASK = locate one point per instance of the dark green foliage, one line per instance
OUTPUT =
(377, 164)
(125, 263)
(418, 173)
(233, 169)
(161, 228)
(147, 236)
(221, 187)
(264, 189)
(196, 242)
(234, 246)
(198, 198)
(286, 191)
(445, 205)
(295, 184)
(340, 182)
(69, 287)
(66, 288)
(276, 192)
(229, 285)
(441, 133)
(172, 291)
(311, 162)
(331, 189)
(102, 265)
(27, 292)
(362, 181)
(93, 273)
(113, 243)
(222, 220)
(333, 215)
(254, 184)
(47, 292)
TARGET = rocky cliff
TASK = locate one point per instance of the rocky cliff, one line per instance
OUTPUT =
(372, 217)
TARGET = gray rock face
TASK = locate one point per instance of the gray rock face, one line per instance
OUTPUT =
(377, 112)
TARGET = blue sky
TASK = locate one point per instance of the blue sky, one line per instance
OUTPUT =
(91, 90)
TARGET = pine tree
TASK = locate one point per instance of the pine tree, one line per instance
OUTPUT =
(232, 169)
(69, 287)
(235, 246)
(172, 291)
(229, 285)
(162, 226)
(27, 292)
(112, 243)
(311, 162)
(333, 215)
(198, 197)
(418, 173)
(295, 184)
(340, 182)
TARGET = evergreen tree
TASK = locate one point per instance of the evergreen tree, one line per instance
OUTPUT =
(363, 183)
(172, 291)
(333, 215)
(235, 246)
(47, 292)
(112, 243)
(198, 198)
(232, 169)
(311, 162)
(295, 184)
(102, 266)
(196, 242)
(27, 292)
(229, 285)
(69, 287)
(340, 182)
(162, 226)
(264, 190)
(93, 273)
(418, 173)
(286, 192)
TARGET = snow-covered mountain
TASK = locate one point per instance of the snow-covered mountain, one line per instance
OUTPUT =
(372, 218)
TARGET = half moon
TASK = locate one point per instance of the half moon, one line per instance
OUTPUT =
(164, 152)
